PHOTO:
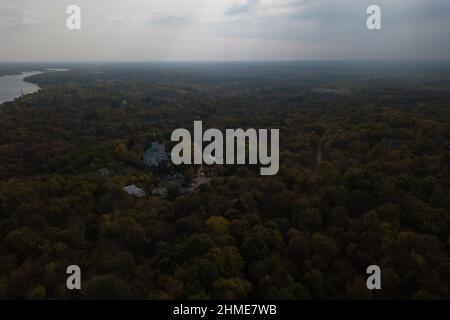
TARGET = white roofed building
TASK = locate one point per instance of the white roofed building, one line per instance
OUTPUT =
(134, 191)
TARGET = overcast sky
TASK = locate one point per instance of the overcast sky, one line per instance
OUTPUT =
(148, 30)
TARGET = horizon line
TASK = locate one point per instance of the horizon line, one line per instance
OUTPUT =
(221, 61)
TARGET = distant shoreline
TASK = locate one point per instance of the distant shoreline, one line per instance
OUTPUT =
(13, 86)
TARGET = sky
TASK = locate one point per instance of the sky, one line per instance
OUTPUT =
(223, 30)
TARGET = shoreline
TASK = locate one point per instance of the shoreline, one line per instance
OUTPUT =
(20, 86)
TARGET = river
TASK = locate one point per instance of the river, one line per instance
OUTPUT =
(14, 86)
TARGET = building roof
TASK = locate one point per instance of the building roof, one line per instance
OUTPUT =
(134, 191)
(159, 191)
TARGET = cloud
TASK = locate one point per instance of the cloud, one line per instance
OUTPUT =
(241, 8)
(222, 29)
(170, 21)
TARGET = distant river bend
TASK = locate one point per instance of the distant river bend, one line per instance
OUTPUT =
(14, 86)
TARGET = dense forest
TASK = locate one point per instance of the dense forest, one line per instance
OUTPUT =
(364, 179)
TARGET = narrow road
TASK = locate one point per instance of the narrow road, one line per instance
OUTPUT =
(197, 183)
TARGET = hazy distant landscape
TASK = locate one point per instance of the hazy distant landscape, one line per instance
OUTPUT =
(365, 161)
(220, 156)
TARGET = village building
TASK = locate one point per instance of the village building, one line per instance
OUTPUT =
(174, 176)
(159, 191)
(134, 191)
(156, 155)
(208, 171)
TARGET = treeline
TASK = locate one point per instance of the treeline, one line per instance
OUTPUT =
(380, 194)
